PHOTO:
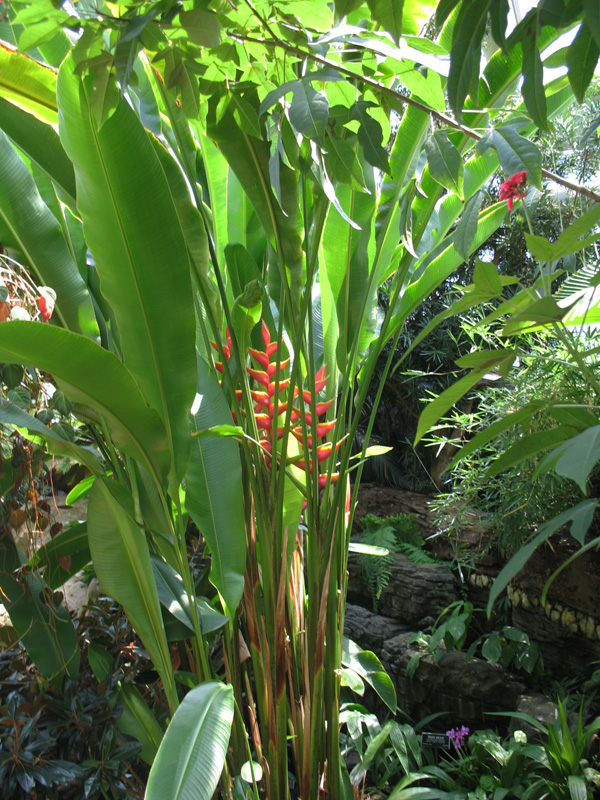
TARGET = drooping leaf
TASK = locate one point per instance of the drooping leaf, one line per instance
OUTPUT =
(467, 226)
(533, 76)
(466, 52)
(582, 58)
(528, 446)
(370, 136)
(138, 721)
(517, 154)
(122, 562)
(95, 378)
(580, 518)
(576, 458)
(28, 83)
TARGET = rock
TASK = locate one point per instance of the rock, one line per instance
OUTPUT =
(465, 691)
(414, 591)
(537, 706)
(370, 630)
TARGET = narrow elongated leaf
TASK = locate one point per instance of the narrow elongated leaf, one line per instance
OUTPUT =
(466, 52)
(533, 76)
(134, 234)
(10, 414)
(370, 136)
(580, 518)
(528, 446)
(582, 58)
(438, 407)
(214, 492)
(40, 143)
(191, 756)
(467, 226)
(122, 562)
(34, 230)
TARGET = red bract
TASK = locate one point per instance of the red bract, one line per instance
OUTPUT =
(268, 412)
(512, 189)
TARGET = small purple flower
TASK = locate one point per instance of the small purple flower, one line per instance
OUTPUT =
(458, 735)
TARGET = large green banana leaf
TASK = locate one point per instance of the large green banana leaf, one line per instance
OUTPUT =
(95, 378)
(133, 232)
(28, 225)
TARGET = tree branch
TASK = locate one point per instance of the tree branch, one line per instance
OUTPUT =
(438, 115)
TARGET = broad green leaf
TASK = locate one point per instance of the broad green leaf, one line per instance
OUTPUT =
(388, 15)
(202, 27)
(582, 58)
(192, 753)
(95, 378)
(122, 562)
(309, 111)
(34, 230)
(580, 518)
(367, 665)
(445, 163)
(28, 84)
(214, 491)
(517, 154)
(138, 721)
(528, 446)
(133, 232)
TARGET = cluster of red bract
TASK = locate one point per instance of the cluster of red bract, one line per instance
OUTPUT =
(512, 189)
(268, 411)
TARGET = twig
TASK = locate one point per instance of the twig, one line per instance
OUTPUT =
(438, 115)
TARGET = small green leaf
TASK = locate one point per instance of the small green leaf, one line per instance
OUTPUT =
(533, 77)
(528, 446)
(445, 163)
(202, 27)
(492, 649)
(576, 458)
(466, 52)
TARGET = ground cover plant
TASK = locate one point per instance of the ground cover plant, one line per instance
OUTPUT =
(208, 197)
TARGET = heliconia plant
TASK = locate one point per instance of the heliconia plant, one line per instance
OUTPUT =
(216, 215)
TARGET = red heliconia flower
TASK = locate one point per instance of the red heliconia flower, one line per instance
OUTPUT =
(268, 411)
(512, 189)
(46, 302)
